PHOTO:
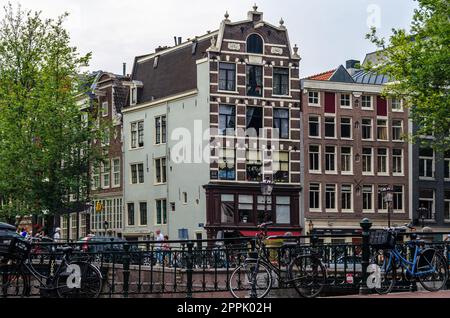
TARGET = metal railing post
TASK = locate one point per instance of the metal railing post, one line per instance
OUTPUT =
(126, 270)
(189, 268)
(365, 225)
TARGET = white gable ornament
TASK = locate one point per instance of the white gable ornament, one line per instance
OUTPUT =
(234, 46)
(276, 50)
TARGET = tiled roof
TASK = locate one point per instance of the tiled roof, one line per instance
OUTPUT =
(325, 76)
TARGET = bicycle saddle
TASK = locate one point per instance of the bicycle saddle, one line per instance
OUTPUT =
(264, 225)
(67, 249)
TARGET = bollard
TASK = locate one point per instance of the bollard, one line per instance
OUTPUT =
(126, 270)
(365, 225)
(189, 268)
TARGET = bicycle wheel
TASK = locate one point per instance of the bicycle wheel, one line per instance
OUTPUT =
(432, 270)
(307, 275)
(88, 286)
(387, 264)
(13, 282)
(248, 282)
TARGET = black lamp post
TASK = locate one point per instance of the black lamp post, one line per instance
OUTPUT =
(422, 213)
(310, 227)
(105, 227)
(266, 190)
(388, 197)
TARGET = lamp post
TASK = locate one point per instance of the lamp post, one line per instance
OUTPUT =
(388, 197)
(105, 227)
(266, 190)
(310, 227)
(422, 213)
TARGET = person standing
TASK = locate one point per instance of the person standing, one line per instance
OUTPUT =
(57, 235)
(159, 239)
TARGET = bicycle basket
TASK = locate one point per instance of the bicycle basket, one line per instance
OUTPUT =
(382, 239)
(14, 248)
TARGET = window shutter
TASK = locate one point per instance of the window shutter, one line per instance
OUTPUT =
(330, 103)
(381, 106)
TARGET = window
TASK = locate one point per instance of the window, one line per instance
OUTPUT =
(280, 166)
(346, 128)
(314, 126)
(245, 208)
(133, 99)
(330, 159)
(227, 119)
(397, 161)
(281, 122)
(396, 104)
(313, 98)
(106, 174)
(382, 161)
(314, 196)
(367, 198)
(137, 173)
(283, 210)
(314, 158)
(382, 131)
(130, 213)
(346, 160)
(137, 134)
(160, 130)
(397, 130)
(227, 164)
(116, 172)
(227, 77)
(447, 206)
(254, 121)
(426, 200)
(330, 197)
(280, 81)
(254, 44)
(227, 209)
(398, 198)
(346, 197)
(382, 205)
(160, 170)
(161, 212)
(426, 163)
(330, 127)
(447, 165)
(155, 61)
(366, 126)
(345, 101)
(185, 198)
(367, 160)
(106, 137)
(261, 207)
(254, 80)
(366, 102)
(143, 213)
(105, 109)
(95, 177)
(253, 165)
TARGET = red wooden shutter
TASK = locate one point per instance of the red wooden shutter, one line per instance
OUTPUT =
(330, 103)
(381, 106)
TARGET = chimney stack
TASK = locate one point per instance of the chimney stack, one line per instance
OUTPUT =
(352, 66)
(124, 69)
(179, 40)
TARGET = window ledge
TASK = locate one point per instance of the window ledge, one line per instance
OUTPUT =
(368, 211)
(314, 105)
(331, 211)
(228, 92)
(348, 173)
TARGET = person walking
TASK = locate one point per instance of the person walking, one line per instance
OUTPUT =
(166, 251)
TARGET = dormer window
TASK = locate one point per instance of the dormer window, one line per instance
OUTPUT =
(133, 99)
(255, 44)
(155, 61)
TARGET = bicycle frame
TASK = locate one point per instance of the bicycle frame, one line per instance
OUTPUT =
(409, 266)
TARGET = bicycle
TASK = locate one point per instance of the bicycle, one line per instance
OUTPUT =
(305, 272)
(427, 264)
(70, 279)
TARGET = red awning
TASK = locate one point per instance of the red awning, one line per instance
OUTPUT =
(269, 233)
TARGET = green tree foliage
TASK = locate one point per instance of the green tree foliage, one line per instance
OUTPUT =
(419, 63)
(44, 145)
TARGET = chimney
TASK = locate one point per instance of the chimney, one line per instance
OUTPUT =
(124, 69)
(352, 66)
(175, 39)
(179, 40)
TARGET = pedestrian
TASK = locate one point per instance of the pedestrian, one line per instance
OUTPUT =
(57, 235)
(159, 238)
(166, 250)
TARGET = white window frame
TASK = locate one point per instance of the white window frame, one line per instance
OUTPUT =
(351, 128)
(448, 212)
(325, 127)
(335, 198)
(400, 110)
(137, 146)
(350, 101)
(371, 172)
(235, 79)
(160, 171)
(344, 172)
(371, 129)
(106, 173)
(433, 212)
(403, 200)
(386, 173)
(372, 210)
(335, 159)
(433, 166)
(318, 99)
(160, 117)
(394, 127)
(319, 126)
(371, 102)
(319, 209)
(133, 95)
(162, 213)
(319, 154)
(114, 172)
(386, 127)
(96, 179)
(137, 173)
(351, 210)
(401, 163)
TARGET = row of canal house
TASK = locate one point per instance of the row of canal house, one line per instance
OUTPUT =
(199, 125)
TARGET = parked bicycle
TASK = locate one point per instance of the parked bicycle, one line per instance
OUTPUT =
(65, 278)
(253, 278)
(425, 264)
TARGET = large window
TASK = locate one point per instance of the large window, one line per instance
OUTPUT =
(160, 170)
(382, 130)
(346, 197)
(254, 165)
(313, 98)
(346, 128)
(261, 206)
(367, 160)
(314, 196)
(397, 161)
(330, 159)
(254, 120)
(227, 209)
(137, 134)
(137, 173)
(245, 208)
(255, 44)
(160, 130)
(227, 77)
(367, 198)
(330, 197)
(106, 174)
(397, 203)
(143, 213)
(283, 210)
(280, 81)
(161, 212)
(426, 163)
(280, 166)
(227, 164)
(426, 200)
(314, 126)
(130, 213)
(346, 160)
(314, 158)
(116, 172)
(254, 80)
(330, 127)
(382, 160)
(397, 130)
(366, 126)
(227, 119)
(95, 176)
(281, 122)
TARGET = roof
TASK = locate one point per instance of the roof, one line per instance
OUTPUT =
(364, 77)
(325, 76)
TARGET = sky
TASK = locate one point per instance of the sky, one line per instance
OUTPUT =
(327, 32)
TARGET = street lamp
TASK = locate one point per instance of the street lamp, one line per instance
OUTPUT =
(388, 197)
(266, 190)
(310, 227)
(422, 213)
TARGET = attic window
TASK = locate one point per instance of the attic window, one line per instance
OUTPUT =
(155, 61)
(133, 96)
(194, 47)
(255, 44)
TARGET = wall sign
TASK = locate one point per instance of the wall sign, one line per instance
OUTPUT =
(234, 46)
(276, 50)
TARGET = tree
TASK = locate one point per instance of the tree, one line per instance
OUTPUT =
(45, 150)
(418, 61)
